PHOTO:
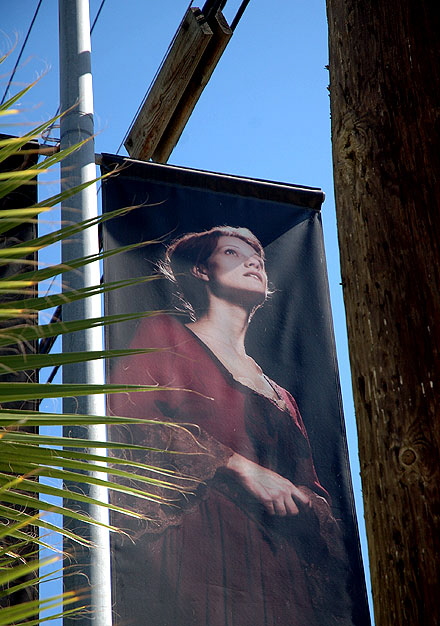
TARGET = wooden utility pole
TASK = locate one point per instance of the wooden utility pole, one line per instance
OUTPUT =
(385, 103)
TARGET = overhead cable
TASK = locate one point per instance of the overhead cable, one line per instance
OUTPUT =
(97, 16)
(21, 51)
(239, 14)
(211, 7)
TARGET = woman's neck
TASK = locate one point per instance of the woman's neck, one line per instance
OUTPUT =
(224, 323)
(223, 330)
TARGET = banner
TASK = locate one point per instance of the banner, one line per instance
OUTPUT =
(262, 529)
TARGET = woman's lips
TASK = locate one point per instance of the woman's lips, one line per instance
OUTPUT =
(256, 275)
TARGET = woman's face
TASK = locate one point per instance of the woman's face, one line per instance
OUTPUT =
(236, 267)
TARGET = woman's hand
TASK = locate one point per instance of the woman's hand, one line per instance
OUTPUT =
(277, 494)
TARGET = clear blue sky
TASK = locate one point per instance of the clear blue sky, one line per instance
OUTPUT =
(264, 114)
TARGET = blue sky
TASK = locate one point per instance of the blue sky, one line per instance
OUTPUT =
(264, 114)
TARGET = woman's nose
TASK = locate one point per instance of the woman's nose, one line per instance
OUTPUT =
(254, 261)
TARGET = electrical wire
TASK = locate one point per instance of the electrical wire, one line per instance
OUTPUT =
(239, 14)
(97, 16)
(21, 51)
(211, 7)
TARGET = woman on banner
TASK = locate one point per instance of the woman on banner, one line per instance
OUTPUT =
(255, 543)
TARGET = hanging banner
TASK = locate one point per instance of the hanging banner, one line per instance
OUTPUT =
(261, 530)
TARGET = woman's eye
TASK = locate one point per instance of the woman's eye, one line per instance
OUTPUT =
(230, 251)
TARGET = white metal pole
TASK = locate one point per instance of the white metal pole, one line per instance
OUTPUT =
(76, 96)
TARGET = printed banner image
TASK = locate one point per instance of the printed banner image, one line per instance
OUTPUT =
(256, 524)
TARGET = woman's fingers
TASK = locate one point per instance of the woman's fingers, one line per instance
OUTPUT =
(282, 504)
(290, 507)
(277, 494)
(301, 497)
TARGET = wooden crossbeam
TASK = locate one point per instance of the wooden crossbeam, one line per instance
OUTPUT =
(184, 74)
(200, 78)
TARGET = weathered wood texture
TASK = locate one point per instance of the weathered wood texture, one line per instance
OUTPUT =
(183, 57)
(221, 34)
(384, 87)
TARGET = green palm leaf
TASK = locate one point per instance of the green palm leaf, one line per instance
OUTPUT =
(27, 457)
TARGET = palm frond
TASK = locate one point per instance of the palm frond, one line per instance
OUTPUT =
(27, 457)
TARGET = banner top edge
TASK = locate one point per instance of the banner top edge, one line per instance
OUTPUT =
(310, 197)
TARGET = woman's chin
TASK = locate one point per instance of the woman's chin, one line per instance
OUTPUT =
(246, 298)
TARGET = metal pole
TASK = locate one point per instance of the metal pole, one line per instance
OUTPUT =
(76, 95)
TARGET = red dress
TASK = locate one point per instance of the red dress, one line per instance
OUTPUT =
(213, 557)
